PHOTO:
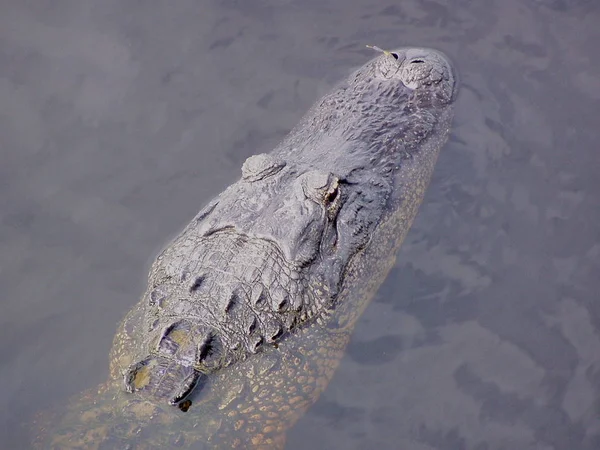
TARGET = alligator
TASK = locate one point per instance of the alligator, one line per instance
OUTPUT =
(248, 311)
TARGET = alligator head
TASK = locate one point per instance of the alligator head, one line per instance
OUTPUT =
(269, 254)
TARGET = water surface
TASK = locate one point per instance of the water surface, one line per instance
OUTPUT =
(119, 120)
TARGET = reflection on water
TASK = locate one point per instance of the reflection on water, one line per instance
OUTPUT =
(120, 120)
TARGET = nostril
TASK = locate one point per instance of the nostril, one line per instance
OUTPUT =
(395, 55)
(417, 61)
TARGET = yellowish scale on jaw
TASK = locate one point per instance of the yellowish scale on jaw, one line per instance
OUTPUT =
(142, 377)
(180, 337)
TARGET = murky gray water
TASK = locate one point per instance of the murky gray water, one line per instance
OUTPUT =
(119, 120)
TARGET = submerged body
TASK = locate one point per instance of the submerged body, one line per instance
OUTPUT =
(248, 311)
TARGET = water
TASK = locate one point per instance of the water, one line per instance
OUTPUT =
(119, 120)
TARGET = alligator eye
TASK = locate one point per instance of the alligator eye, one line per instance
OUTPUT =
(332, 194)
(321, 187)
(395, 55)
(332, 200)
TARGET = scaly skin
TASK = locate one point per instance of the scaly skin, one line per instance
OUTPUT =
(248, 312)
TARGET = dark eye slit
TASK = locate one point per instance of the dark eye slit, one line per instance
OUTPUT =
(331, 196)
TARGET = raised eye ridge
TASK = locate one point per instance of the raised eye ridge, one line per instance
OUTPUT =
(321, 187)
